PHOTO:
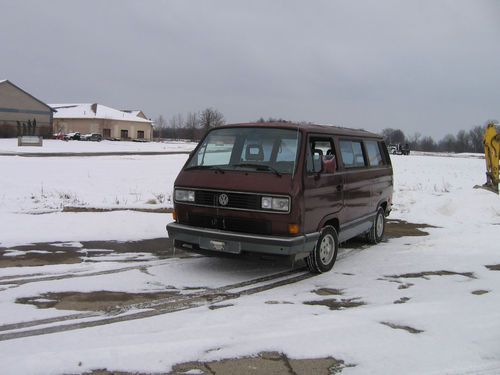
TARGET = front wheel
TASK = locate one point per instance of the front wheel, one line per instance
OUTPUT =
(323, 257)
(377, 230)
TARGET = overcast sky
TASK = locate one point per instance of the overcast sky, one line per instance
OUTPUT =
(422, 66)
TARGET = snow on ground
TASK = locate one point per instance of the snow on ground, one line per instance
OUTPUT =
(459, 330)
(9, 146)
(50, 184)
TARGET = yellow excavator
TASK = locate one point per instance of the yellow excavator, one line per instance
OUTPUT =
(491, 142)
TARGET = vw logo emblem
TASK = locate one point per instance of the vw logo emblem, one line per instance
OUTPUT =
(223, 199)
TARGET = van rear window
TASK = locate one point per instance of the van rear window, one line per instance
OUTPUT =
(373, 152)
(352, 154)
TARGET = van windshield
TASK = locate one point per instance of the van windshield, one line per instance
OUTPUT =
(258, 149)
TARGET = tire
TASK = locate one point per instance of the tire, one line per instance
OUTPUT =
(377, 230)
(323, 256)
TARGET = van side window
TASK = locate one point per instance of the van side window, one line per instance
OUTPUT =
(319, 148)
(352, 154)
(373, 151)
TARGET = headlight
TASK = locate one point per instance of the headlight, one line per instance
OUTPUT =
(276, 204)
(184, 195)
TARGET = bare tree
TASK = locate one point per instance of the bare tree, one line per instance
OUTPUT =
(427, 144)
(447, 143)
(476, 135)
(160, 126)
(393, 135)
(414, 141)
(462, 142)
(211, 118)
(176, 122)
(192, 124)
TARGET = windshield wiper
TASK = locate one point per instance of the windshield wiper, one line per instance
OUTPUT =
(218, 169)
(258, 167)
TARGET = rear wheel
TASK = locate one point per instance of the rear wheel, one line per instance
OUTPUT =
(376, 233)
(323, 257)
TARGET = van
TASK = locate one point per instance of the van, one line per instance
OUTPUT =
(284, 189)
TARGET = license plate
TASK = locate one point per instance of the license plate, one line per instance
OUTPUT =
(221, 246)
(217, 245)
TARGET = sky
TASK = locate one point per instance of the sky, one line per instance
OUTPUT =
(427, 66)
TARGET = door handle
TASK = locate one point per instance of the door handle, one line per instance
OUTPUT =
(339, 188)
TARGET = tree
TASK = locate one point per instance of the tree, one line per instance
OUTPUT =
(393, 135)
(192, 124)
(160, 126)
(211, 118)
(176, 122)
(476, 135)
(414, 141)
(447, 144)
(462, 142)
(427, 144)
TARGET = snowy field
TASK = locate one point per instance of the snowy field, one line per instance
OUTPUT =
(410, 305)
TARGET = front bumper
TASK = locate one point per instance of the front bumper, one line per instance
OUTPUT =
(219, 242)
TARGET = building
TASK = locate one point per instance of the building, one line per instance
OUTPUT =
(17, 107)
(97, 118)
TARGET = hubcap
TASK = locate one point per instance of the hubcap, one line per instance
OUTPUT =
(327, 249)
(380, 225)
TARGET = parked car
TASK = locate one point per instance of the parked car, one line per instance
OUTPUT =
(58, 135)
(282, 189)
(72, 136)
(96, 137)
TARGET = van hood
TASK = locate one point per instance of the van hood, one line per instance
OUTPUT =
(242, 181)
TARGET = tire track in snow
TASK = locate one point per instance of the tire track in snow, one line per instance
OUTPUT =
(10, 280)
(155, 308)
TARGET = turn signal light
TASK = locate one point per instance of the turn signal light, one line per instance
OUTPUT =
(174, 215)
(293, 228)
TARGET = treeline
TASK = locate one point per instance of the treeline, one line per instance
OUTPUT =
(463, 141)
(192, 126)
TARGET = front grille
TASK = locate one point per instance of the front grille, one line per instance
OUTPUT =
(235, 200)
(232, 224)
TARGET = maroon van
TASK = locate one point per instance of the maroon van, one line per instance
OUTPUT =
(282, 188)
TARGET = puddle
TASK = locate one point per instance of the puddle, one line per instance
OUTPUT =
(264, 363)
(41, 254)
(405, 286)
(480, 292)
(328, 292)
(493, 267)
(279, 303)
(216, 307)
(402, 300)
(401, 228)
(337, 304)
(92, 301)
(426, 274)
(406, 328)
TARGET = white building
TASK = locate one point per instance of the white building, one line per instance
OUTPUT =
(97, 118)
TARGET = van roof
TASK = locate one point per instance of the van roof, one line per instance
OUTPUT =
(309, 128)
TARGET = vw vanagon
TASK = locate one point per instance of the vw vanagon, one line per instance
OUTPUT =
(284, 189)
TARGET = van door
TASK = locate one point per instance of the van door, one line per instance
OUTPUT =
(323, 189)
(359, 208)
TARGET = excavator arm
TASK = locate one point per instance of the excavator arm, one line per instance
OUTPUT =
(491, 142)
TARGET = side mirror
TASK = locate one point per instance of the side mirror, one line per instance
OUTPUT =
(318, 161)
